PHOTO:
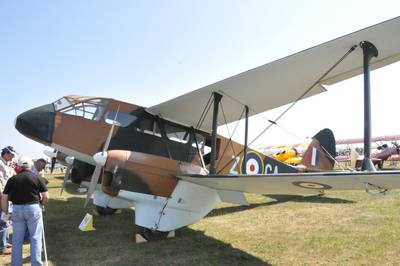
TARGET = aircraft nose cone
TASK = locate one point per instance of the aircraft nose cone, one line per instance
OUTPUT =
(37, 123)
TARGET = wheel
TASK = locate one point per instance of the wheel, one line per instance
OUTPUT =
(151, 235)
(105, 211)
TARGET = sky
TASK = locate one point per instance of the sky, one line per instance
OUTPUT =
(146, 52)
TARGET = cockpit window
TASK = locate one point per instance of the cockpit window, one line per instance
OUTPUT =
(62, 103)
(90, 109)
(121, 119)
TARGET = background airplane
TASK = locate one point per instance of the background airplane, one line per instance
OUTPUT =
(384, 148)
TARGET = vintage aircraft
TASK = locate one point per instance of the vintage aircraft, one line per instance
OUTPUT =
(293, 153)
(383, 151)
(168, 161)
(290, 154)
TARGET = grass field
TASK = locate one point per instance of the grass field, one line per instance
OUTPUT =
(341, 228)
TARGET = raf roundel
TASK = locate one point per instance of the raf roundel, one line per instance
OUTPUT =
(312, 185)
(254, 164)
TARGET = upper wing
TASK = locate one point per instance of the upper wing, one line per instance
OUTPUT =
(283, 81)
(304, 183)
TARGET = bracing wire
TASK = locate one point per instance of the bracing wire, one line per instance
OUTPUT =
(305, 93)
(230, 136)
(274, 122)
(264, 117)
(200, 122)
(227, 128)
(205, 112)
(333, 158)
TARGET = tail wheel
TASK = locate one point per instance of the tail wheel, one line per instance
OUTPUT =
(151, 235)
(105, 211)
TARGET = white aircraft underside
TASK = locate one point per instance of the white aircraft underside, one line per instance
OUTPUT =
(188, 203)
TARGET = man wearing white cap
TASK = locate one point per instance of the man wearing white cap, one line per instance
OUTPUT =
(6, 172)
(26, 191)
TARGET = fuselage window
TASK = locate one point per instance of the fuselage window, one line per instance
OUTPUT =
(121, 119)
(201, 143)
(178, 134)
(149, 126)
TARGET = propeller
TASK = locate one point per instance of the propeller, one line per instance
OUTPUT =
(397, 146)
(53, 163)
(100, 158)
(70, 161)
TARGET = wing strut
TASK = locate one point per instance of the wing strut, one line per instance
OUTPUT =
(246, 130)
(369, 51)
(217, 100)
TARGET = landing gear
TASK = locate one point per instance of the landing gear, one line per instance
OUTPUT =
(105, 211)
(150, 235)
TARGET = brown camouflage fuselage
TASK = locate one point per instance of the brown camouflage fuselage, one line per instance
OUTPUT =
(145, 155)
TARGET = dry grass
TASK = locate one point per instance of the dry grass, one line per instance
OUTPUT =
(345, 228)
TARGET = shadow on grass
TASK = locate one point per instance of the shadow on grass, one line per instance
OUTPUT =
(113, 241)
(59, 176)
(313, 198)
(70, 188)
(280, 199)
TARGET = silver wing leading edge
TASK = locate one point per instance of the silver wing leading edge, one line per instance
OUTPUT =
(303, 183)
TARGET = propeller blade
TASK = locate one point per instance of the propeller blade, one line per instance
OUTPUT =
(93, 183)
(53, 163)
(107, 143)
(99, 165)
(66, 177)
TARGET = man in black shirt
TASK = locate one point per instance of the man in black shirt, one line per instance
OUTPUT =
(27, 191)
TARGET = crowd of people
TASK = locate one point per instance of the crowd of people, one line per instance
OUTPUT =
(23, 193)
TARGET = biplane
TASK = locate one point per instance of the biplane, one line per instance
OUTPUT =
(386, 149)
(290, 154)
(168, 162)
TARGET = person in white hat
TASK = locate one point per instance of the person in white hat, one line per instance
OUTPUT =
(27, 191)
(6, 171)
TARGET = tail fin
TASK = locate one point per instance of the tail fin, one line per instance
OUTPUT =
(321, 152)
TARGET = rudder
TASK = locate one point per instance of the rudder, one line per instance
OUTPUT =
(321, 152)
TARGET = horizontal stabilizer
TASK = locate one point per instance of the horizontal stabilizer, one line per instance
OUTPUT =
(235, 197)
(302, 183)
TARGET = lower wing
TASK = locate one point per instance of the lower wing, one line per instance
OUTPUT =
(300, 183)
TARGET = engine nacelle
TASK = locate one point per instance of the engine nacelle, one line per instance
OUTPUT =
(81, 171)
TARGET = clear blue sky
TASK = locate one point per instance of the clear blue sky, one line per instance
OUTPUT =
(146, 52)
